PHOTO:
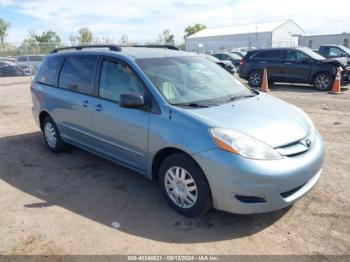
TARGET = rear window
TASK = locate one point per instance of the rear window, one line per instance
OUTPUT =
(48, 71)
(78, 73)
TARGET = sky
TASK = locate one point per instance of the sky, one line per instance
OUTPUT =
(144, 20)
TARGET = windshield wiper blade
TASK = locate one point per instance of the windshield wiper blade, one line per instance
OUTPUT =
(232, 98)
(191, 105)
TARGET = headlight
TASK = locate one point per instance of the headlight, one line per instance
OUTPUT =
(246, 146)
(306, 117)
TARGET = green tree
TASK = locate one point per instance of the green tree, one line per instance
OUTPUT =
(29, 46)
(192, 29)
(48, 40)
(85, 36)
(124, 40)
(3, 32)
(166, 38)
(73, 40)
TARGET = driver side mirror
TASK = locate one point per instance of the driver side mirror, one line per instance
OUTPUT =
(131, 100)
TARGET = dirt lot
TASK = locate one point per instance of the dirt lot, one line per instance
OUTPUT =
(66, 203)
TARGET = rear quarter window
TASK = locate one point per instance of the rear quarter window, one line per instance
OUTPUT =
(78, 73)
(49, 69)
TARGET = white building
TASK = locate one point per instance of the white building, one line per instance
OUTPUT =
(314, 41)
(263, 35)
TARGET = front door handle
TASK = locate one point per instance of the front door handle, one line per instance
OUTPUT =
(263, 62)
(287, 63)
(86, 104)
(98, 107)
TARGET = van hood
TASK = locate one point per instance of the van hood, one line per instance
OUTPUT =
(268, 119)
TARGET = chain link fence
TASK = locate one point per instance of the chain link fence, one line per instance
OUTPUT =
(23, 59)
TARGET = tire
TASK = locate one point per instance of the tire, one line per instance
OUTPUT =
(188, 183)
(52, 136)
(255, 78)
(323, 81)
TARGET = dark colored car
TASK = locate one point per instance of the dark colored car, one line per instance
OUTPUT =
(226, 64)
(234, 58)
(8, 68)
(291, 65)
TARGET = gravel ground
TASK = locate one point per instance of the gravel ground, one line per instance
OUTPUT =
(68, 203)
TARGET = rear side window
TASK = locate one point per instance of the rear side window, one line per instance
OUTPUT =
(48, 71)
(271, 54)
(118, 78)
(78, 73)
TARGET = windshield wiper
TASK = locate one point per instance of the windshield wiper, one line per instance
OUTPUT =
(232, 98)
(191, 105)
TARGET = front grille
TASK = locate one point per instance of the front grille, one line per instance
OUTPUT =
(298, 147)
(291, 192)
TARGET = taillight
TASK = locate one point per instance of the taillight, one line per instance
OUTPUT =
(242, 62)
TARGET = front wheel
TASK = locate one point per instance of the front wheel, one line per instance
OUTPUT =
(184, 185)
(255, 78)
(323, 81)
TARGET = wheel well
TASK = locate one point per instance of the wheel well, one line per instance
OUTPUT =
(42, 116)
(255, 70)
(160, 156)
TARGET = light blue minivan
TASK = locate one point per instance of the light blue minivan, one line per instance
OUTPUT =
(182, 120)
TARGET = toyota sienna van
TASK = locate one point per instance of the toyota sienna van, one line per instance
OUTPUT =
(182, 120)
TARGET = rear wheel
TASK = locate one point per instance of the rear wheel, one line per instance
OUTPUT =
(184, 185)
(52, 136)
(323, 81)
(255, 78)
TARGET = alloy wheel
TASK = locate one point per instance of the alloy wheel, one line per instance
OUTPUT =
(255, 78)
(323, 82)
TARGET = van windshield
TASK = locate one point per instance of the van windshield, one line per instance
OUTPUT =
(186, 79)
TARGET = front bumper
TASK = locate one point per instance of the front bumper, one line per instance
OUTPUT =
(346, 76)
(279, 183)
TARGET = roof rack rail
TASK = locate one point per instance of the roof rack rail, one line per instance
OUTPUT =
(158, 46)
(80, 47)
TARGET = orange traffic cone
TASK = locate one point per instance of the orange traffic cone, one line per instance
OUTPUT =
(337, 85)
(265, 82)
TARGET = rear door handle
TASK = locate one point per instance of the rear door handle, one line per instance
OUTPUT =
(287, 63)
(263, 62)
(98, 107)
(86, 104)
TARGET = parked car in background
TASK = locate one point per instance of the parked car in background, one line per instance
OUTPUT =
(8, 68)
(291, 65)
(179, 119)
(226, 64)
(33, 60)
(234, 58)
(240, 54)
(335, 51)
(8, 59)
